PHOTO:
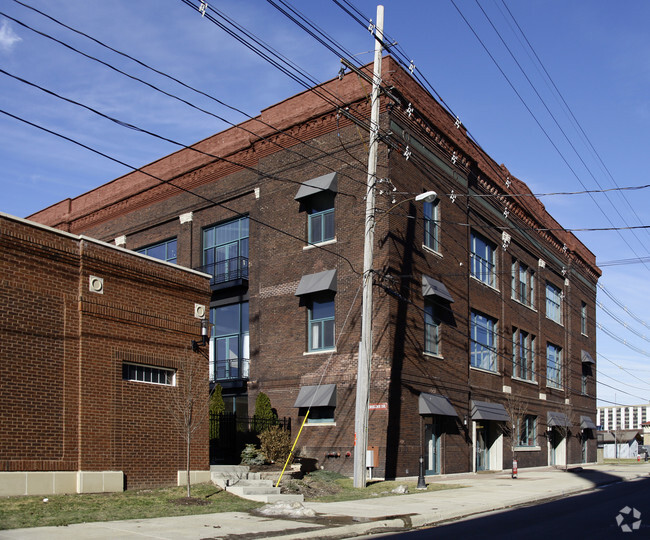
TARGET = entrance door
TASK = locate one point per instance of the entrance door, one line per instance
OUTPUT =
(482, 448)
(584, 448)
(553, 440)
(432, 436)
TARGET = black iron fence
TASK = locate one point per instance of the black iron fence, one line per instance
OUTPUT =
(230, 433)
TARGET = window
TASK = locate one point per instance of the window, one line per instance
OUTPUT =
(148, 374)
(553, 303)
(318, 415)
(321, 324)
(483, 260)
(523, 283)
(527, 431)
(431, 220)
(483, 342)
(586, 372)
(321, 217)
(523, 355)
(225, 250)
(583, 318)
(165, 251)
(431, 328)
(229, 343)
(553, 366)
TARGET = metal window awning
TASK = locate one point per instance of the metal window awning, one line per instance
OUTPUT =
(557, 419)
(586, 358)
(316, 396)
(433, 287)
(435, 404)
(587, 423)
(484, 410)
(327, 182)
(315, 283)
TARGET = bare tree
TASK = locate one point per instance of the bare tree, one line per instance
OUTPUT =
(189, 402)
(517, 410)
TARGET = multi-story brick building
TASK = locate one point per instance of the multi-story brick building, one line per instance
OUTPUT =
(95, 344)
(484, 307)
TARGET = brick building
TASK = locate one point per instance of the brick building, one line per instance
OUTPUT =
(95, 341)
(479, 315)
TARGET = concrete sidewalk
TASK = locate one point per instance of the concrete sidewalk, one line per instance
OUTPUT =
(481, 493)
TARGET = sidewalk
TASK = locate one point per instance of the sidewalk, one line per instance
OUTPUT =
(481, 493)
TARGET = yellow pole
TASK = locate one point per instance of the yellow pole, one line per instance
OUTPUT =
(292, 448)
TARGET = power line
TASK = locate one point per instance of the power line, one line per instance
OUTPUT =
(168, 94)
(581, 130)
(548, 137)
(170, 182)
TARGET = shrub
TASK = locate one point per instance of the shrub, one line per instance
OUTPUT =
(252, 456)
(263, 408)
(217, 406)
(276, 443)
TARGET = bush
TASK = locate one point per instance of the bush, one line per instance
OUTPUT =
(263, 409)
(217, 407)
(276, 443)
(252, 456)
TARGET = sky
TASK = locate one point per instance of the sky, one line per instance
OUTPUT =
(577, 120)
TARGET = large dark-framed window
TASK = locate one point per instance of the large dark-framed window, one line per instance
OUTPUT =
(483, 259)
(225, 249)
(230, 342)
(527, 436)
(321, 325)
(553, 303)
(165, 251)
(523, 355)
(320, 221)
(431, 327)
(523, 283)
(483, 342)
(553, 366)
(431, 212)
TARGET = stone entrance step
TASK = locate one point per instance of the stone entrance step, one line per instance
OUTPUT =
(238, 480)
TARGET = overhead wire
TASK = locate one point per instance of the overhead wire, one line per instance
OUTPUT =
(568, 108)
(180, 188)
(168, 94)
(537, 121)
(575, 150)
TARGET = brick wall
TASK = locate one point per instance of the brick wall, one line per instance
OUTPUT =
(64, 403)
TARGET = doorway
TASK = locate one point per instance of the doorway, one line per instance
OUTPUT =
(482, 448)
(432, 437)
(557, 448)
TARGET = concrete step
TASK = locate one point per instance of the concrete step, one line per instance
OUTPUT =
(276, 498)
(243, 491)
(224, 475)
(251, 483)
(230, 469)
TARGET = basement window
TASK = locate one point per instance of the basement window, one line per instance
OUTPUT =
(148, 374)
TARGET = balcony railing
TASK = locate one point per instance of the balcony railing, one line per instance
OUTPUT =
(230, 369)
(235, 269)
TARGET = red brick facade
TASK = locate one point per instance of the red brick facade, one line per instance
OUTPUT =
(65, 336)
(260, 178)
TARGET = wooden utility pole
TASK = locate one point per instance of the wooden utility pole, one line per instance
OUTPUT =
(365, 347)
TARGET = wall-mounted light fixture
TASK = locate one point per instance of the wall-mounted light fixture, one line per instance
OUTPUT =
(427, 196)
(205, 327)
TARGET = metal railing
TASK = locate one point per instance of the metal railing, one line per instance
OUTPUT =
(231, 368)
(225, 271)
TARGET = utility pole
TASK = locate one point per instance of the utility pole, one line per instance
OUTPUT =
(365, 347)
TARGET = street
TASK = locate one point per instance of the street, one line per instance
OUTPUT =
(592, 515)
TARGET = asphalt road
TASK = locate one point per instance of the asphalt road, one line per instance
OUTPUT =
(592, 516)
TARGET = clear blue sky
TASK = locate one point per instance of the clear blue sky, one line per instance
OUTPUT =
(597, 53)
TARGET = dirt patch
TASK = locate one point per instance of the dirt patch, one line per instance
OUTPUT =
(310, 487)
(190, 501)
